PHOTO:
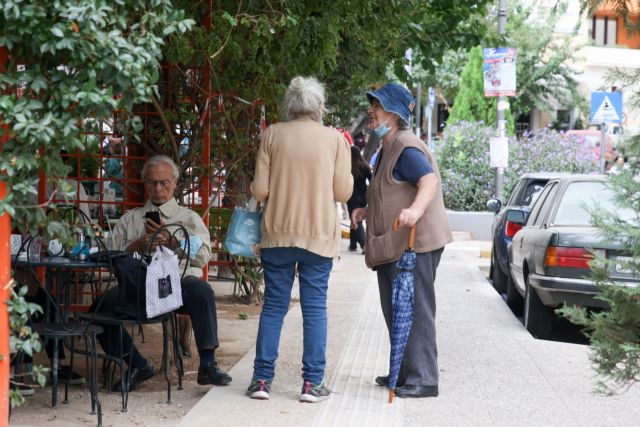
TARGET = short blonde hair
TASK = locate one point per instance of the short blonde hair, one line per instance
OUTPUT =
(304, 96)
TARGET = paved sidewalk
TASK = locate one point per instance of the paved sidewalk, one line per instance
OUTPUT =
(493, 373)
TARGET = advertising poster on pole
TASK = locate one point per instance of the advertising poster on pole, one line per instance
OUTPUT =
(499, 71)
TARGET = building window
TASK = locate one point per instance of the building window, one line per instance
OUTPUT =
(604, 31)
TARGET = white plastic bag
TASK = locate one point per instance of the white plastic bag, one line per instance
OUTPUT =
(163, 290)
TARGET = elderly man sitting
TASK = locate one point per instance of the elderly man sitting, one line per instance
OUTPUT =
(134, 232)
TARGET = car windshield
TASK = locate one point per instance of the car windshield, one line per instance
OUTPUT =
(582, 196)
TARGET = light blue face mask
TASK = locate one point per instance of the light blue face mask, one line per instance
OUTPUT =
(382, 130)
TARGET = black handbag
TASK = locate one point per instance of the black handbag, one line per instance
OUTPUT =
(131, 273)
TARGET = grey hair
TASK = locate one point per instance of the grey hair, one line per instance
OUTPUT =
(304, 96)
(402, 124)
(160, 159)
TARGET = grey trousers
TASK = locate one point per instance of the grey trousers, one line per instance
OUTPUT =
(420, 361)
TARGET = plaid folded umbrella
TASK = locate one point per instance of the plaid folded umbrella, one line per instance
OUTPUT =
(402, 307)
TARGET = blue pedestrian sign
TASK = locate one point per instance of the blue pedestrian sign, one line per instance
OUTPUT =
(606, 107)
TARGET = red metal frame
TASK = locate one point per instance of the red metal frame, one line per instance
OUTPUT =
(5, 277)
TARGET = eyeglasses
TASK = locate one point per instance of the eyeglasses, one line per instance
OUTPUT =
(153, 184)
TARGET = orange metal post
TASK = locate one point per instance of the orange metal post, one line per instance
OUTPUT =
(5, 277)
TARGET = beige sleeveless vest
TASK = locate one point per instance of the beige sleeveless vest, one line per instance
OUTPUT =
(386, 197)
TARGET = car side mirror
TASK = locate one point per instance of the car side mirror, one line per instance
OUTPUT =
(494, 205)
(516, 216)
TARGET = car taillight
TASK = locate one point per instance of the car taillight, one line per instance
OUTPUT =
(511, 228)
(559, 256)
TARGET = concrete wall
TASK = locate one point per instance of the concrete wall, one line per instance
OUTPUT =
(478, 224)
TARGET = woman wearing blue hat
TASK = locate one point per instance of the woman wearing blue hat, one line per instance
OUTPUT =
(405, 185)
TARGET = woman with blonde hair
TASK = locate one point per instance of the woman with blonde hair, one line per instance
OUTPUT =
(302, 169)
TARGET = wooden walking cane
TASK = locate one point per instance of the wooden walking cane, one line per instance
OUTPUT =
(412, 235)
(412, 232)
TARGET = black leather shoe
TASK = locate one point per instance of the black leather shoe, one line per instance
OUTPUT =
(210, 374)
(137, 376)
(383, 381)
(409, 390)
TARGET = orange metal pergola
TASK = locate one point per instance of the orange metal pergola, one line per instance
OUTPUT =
(5, 280)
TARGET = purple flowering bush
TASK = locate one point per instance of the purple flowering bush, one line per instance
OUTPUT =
(546, 150)
(463, 159)
(467, 178)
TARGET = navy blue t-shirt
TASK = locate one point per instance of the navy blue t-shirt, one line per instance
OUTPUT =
(411, 166)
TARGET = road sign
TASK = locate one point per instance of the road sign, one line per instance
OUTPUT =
(606, 107)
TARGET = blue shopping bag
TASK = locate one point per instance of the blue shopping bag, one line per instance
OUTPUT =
(243, 234)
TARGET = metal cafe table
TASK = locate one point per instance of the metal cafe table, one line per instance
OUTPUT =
(59, 322)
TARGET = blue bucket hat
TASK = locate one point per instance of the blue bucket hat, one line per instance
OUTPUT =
(394, 99)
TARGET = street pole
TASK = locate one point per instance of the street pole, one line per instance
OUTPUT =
(428, 116)
(417, 109)
(429, 113)
(603, 145)
(500, 121)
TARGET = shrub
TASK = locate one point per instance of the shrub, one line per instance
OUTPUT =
(468, 180)
(463, 158)
(547, 151)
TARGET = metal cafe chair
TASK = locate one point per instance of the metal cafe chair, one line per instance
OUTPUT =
(59, 323)
(132, 314)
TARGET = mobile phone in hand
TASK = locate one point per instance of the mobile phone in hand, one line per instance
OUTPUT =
(153, 216)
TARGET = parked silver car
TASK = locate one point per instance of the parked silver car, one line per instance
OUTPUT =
(549, 258)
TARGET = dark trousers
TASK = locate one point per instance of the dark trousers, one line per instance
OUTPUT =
(198, 302)
(356, 236)
(420, 361)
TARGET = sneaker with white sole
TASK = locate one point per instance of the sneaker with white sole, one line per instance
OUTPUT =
(313, 393)
(259, 389)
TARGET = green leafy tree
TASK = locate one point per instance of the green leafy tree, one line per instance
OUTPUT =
(545, 78)
(470, 104)
(71, 64)
(255, 48)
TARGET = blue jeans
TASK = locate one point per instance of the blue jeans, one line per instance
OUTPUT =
(279, 272)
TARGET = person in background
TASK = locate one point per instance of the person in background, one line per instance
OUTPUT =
(302, 170)
(133, 233)
(346, 135)
(359, 141)
(406, 187)
(113, 165)
(361, 176)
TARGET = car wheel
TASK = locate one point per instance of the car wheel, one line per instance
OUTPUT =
(537, 316)
(514, 299)
(498, 278)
